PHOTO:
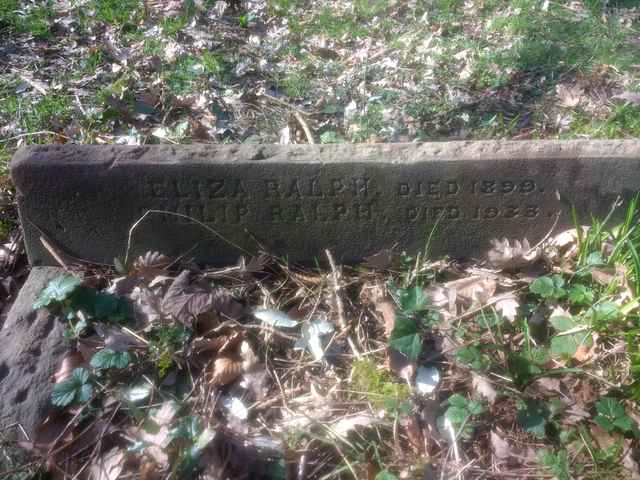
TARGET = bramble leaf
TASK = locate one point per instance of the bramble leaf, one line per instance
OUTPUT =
(473, 357)
(107, 358)
(75, 388)
(581, 295)
(548, 287)
(57, 290)
(562, 323)
(612, 415)
(534, 417)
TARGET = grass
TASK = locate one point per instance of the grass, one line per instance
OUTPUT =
(622, 122)
(448, 70)
(34, 20)
(33, 115)
(125, 14)
(295, 84)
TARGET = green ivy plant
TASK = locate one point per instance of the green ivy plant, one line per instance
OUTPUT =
(534, 417)
(405, 336)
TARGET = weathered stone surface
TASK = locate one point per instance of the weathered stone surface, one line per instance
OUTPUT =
(32, 349)
(297, 200)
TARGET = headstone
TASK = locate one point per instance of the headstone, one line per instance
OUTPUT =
(223, 201)
(32, 348)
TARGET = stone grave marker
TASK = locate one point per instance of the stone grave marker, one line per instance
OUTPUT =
(295, 201)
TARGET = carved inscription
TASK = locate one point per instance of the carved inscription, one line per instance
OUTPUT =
(359, 200)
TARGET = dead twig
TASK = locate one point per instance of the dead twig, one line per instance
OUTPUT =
(54, 254)
(285, 104)
(335, 277)
(305, 127)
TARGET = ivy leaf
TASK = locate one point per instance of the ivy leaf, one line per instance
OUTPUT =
(403, 326)
(567, 345)
(534, 417)
(57, 290)
(106, 305)
(107, 358)
(137, 392)
(460, 412)
(413, 300)
(75, 388)
(409, 345)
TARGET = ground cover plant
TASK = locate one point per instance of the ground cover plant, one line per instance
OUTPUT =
(293, 71)
(521, 364)
(524, 363)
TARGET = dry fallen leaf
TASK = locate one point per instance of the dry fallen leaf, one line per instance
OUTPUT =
(411, 424)
(566, 242)
(602, 437)
(569, 95)
(508, 306)
(507, 451)
(147, 307)
(116, 339)
(398, 363)
(631, 97)
(158, 437)
(500, 447)
(630, 460)
(221, 344)
(108, 466)
(550, 384)
(226, 370)
(70, 361)
(388, 311)
(510, 256)
(484, 387)
(442, 300)
(347, 424)
(150, 265)
(583, 353)
(186, 301)
(476, 289)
